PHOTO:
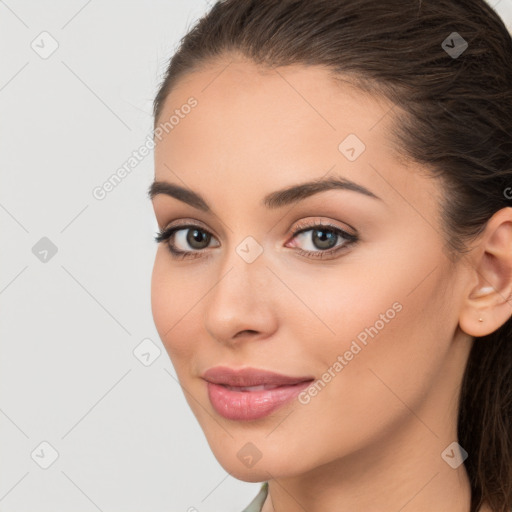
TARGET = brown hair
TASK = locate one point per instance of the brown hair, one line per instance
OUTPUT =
(456, 121)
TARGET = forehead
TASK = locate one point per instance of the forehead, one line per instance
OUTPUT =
(254, 125)
(249, 106)
(234, 84)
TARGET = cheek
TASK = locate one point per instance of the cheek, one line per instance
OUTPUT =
(390, 339)
(172, 304)
(340, 304)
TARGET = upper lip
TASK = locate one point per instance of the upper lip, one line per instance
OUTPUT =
(245, 377)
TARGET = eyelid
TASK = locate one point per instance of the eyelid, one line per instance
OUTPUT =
(305, 225)
(302, 226)
(298, 227)
(186, 223)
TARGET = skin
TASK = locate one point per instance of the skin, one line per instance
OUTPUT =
(372, 438)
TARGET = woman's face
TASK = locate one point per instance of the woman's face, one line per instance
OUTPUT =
(372, 317)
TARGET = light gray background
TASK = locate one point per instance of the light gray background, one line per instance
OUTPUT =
(125, 436)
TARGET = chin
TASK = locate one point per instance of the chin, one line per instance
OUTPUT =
(251, 477)
(260, 471)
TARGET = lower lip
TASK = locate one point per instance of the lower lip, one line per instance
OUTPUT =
(251, 405)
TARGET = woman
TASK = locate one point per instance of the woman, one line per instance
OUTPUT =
(333, 281)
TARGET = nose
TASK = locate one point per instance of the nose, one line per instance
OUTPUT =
(241, 302)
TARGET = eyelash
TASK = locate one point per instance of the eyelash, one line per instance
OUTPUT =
(166, 234)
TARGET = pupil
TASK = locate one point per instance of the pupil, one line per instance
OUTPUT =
(196, 236)
(324, 242)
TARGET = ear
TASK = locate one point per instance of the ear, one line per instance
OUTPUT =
(489, 291)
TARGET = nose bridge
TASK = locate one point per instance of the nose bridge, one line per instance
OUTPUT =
(244, 263)
(244, 273)
(241, 297)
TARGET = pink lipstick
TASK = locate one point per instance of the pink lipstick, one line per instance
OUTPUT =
(250, 393)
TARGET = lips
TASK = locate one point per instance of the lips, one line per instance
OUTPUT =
(249, 393)
(250, 379)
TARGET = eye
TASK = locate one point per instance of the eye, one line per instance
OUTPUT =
(324, 237)
(180, 237)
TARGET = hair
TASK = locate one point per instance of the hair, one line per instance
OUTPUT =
(454, 118)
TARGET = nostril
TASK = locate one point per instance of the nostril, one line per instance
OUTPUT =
(248, 331)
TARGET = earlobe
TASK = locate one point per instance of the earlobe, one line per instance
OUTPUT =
(488, 304)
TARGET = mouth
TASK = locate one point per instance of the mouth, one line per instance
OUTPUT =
(262, 387)
(250, 394)
(249, 378)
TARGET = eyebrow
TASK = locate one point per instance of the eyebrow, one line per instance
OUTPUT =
(273, 200)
